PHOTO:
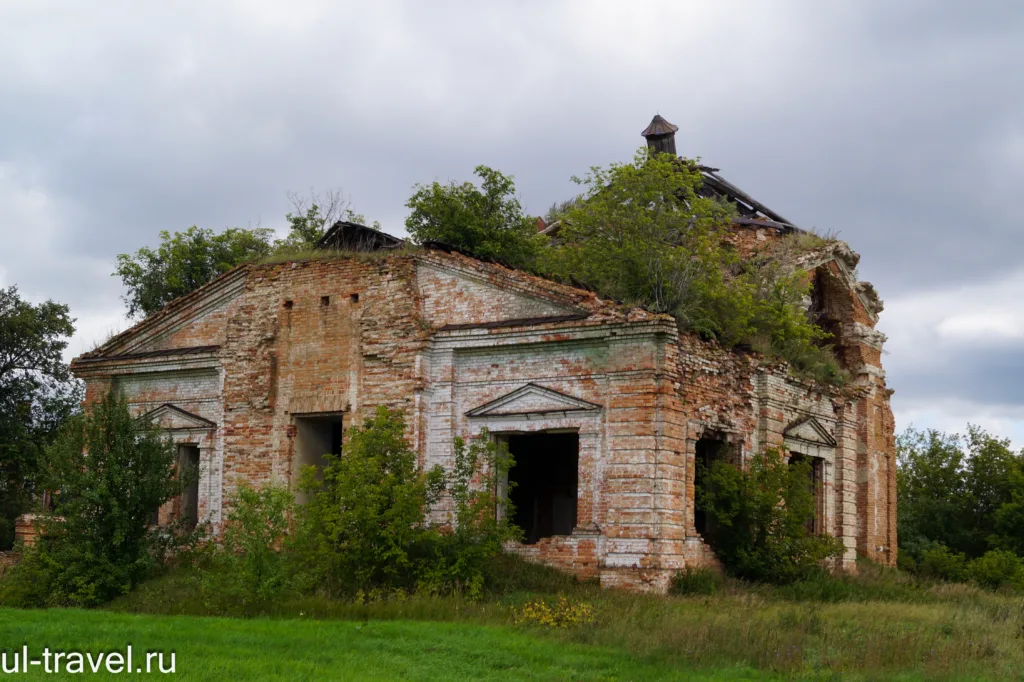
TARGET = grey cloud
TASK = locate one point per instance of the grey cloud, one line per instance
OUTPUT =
(895, 124)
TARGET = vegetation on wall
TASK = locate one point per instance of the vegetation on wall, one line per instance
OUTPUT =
(184, 261)
(486, 221)
(639, 232)
(643, 234)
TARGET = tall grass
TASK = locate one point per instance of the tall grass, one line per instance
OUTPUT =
(879, 624)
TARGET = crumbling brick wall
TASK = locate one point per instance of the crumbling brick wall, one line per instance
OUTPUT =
(461, 346)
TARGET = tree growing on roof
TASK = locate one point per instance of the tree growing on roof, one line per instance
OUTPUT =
(184, 261)
(485, 221)
(642, 233)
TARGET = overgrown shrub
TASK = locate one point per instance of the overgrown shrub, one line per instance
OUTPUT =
(365, 528)
(643, 233)
(251, 569)
(460, 556)
(941, 563)
(27, 584)
(763, 513)
(365, 514)
(700, 580)
(996, 568)
(112, 472)
(487, 221)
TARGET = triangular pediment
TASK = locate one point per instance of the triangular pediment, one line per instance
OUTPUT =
(462, 295)
(202, 309)
(532, 399)
(810, 430)
(171, 417)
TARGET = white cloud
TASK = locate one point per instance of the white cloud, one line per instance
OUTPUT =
(953, 416)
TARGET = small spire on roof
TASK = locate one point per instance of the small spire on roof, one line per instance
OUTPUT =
(661, 135)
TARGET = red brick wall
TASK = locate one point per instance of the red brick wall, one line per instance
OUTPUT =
(345, 334)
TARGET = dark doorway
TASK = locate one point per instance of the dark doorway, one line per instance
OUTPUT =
(314, 438)
(708, 450)
(188, 464)
(815, 482)
(546, 482)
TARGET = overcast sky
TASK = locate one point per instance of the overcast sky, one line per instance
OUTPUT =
(899, 126)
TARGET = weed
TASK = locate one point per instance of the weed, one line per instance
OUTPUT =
(560, 613)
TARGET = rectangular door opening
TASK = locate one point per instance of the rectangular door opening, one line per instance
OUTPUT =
(188, 461)
(545, 480)
(314, 437)
(815, 483)
(707, 451)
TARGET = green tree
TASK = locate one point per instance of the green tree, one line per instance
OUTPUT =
(183, 262)
(112, 472)
(36, 395)
(643, 233)
(486, 221)
(251, 569)
(365, 514)
(763, 514)
(931, 488)
(965, 493)
(478, 489)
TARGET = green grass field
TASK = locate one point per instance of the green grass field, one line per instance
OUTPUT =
(876, 626)
(234, 649)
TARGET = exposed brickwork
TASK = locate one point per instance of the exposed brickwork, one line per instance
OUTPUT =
(342, 335)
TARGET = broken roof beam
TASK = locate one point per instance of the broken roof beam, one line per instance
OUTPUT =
(719, 183)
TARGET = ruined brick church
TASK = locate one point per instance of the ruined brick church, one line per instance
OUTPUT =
(606, 410)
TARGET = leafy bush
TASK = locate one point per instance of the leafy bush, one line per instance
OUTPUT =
(700, 580)
(763, 513)
(365, 514)
(251, 570)
(938, 561)
(27, 584)
(642, 233)
(112, 471)
(995, 568)
(461, 555)
(487, 221)
(364, 528)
